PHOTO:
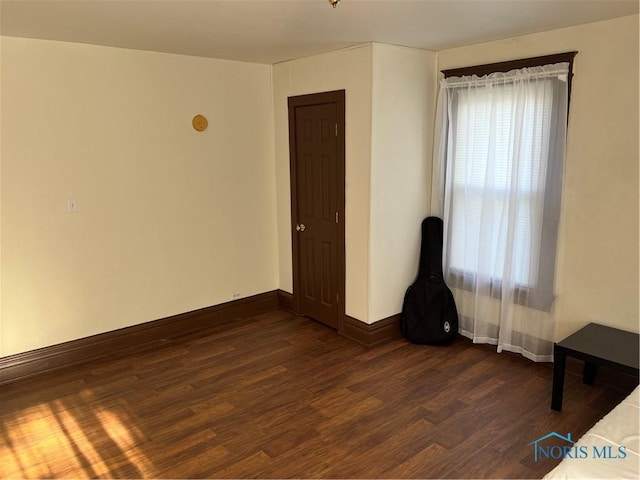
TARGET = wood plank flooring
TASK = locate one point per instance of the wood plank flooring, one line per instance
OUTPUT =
(281, 396)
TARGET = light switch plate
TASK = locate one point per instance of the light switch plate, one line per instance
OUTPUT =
(72, 205)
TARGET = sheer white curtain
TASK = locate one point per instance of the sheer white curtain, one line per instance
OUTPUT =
(498, 168)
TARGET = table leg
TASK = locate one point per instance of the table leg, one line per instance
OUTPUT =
(589, 373)
(559, 362)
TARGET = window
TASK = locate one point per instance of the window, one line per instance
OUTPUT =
(479, 184)
(504, 153)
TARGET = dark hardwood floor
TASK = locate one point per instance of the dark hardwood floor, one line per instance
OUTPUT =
(280, 396)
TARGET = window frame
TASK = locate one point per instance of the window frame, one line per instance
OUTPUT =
(523, 295)
(507, 66)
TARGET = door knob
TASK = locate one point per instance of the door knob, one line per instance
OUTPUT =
(300, 227)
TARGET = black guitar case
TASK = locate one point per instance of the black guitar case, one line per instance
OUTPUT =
(429, 313)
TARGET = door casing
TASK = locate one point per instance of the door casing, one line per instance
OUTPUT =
(337, 97)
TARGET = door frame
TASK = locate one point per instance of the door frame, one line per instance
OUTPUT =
(337, 97)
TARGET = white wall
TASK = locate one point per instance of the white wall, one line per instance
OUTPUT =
(403, 105)
(170, 220)
(597, 272)
(350, 70)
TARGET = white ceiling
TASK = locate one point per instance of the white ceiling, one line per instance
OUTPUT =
(271, 31)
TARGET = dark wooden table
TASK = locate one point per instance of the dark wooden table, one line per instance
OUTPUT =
(598, 346)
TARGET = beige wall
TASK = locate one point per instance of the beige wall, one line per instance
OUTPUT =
(350, 70)
(170, 220)
(403, 104)
(1, 322)
(597, 272)
(390, 93)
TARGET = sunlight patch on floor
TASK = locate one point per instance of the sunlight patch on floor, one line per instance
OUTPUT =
(48, 440)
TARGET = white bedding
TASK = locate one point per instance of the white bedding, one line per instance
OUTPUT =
(619, 428)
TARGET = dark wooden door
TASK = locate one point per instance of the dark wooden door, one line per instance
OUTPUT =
(318, 195)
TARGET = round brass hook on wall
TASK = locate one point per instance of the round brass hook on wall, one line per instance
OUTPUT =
(200, 123)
